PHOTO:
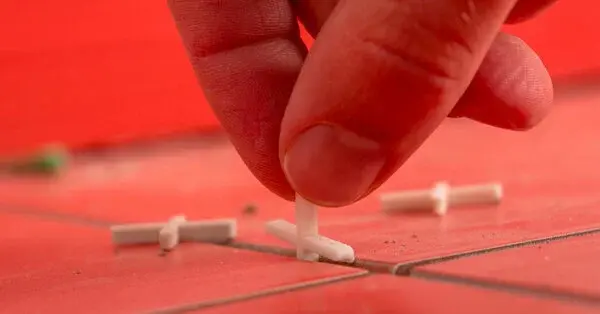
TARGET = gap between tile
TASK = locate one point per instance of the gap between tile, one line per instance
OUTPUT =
(404, 269)
(263, 293)
(536, 291)
(369, 265)
(400, 269)
(54, 216)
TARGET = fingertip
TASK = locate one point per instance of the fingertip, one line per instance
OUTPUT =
(331, 166)
(387, 72)
(512, 89)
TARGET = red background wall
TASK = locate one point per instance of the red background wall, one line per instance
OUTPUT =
(87, 72)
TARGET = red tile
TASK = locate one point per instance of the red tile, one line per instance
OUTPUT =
(388, 294)
(406, 239)
(551, 179)
(550, 176)
(201, 183)
(563, 265)
(55, 268)
(32, 247)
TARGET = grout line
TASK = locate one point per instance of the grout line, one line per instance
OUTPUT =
(261, 248)
(53, 216)
(369, 265)
(404, 269)
(259, 294)
(399, 269)
(537, 291)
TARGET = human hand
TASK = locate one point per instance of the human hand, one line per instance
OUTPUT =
(380, 77)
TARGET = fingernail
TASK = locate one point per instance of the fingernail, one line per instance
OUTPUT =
(331, 166)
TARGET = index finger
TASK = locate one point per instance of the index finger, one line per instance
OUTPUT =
(247, 55)
(381, 76)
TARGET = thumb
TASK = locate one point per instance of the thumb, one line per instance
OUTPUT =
(381, 76)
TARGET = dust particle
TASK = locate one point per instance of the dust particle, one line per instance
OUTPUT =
(250, 209)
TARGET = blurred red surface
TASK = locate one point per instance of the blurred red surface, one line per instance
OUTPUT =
(384, 294)
(92, 72)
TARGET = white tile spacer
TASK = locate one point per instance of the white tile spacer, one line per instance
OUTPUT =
(442, 197)
(142, 233)
(440, 194)
(168, 237)
(422, 200)
(326, 247)
(307, 225)
(211, 231)
(482, 194)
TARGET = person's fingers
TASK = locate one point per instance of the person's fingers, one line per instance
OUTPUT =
(381, 76)
(313, 13)
(512, 88)
(247, 55)
(526, 9)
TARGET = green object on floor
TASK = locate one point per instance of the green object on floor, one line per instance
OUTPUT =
(50, 161)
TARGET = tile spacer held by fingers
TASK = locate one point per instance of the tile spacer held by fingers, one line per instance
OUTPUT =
(307, 223)
(442, 197)
(320, 245)
(305, 237)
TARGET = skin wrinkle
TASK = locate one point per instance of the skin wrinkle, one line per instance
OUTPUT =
(398, 124)
(520, 91)
(203, 17)
(249, 84)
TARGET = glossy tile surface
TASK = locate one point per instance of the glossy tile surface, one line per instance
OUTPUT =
(57, 256)
(52, 267)
(385, 294)
(567, 265)
(546, 193)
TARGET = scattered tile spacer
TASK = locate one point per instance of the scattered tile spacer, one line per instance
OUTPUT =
(442, 197)
(177, 229)
(305, 236)
(320, 245)
(168, 237)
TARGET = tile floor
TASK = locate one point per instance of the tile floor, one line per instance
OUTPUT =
(535, 252)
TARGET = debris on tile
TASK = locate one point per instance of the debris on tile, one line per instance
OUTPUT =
(250, 209)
